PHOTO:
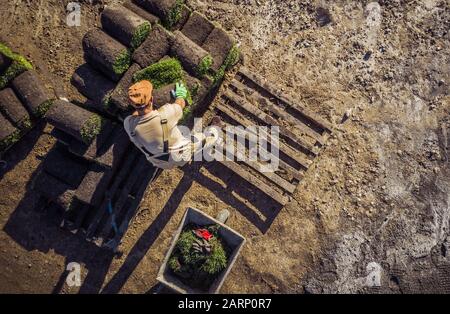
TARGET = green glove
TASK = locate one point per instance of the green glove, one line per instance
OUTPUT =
(180, 91)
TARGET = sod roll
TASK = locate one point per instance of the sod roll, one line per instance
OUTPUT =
(130, 5)
(106, 54)
(14, 64)
(97, 147)
(183, 16)
(65, 166)
(191, 55)
(197, 28)
(218, 44)
(125, 25)
(8, 133)
(12, 108)
(199, 89)
(154, 48)
(160, 8)
(108, 152)
(93, 187)
(92, 84)
(74, 120)
(32, 92)
(119, 97)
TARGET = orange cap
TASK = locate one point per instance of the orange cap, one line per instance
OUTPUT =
(140, 93)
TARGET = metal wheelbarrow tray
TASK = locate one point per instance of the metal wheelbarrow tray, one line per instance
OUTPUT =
(233, 239)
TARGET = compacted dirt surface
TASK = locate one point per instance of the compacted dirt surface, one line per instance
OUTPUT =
(371, 215)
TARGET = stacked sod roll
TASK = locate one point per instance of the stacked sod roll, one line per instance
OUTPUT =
(197, 28)
(169, 11)
(93, 85)
(23, 97)
(106, 54)
(8, 133)
(155, 47)
(74, 120)
(11, 65)
(125, 25)
(32, 93)
(11, 108)
(132, 6)
(194, 59)
(119, 97)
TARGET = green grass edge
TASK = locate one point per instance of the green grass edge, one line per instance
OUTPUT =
(91, 128)
(204, 66)
(140, 35)
(122, 62)
(174, 15)
(43, 108)
(10, 140)
(19, 65)
(231, 60)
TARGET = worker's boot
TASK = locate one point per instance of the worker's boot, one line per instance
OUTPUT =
(223, 216)
(203, 144)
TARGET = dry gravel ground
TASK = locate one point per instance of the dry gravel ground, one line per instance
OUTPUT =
(379, 193)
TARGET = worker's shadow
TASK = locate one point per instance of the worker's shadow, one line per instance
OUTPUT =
(32, 227)
(253, 204)
(36, 229)
(35, 225)
(147, 239)
(192, 173)
(21, 150)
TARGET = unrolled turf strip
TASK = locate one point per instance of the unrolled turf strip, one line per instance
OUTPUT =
(98, 147)
(160, 8)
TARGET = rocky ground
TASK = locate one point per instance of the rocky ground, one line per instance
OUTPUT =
(376, 202)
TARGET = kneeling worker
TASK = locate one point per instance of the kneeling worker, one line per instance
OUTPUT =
(155, 132)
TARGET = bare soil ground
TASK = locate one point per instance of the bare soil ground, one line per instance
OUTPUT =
(379, 192)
